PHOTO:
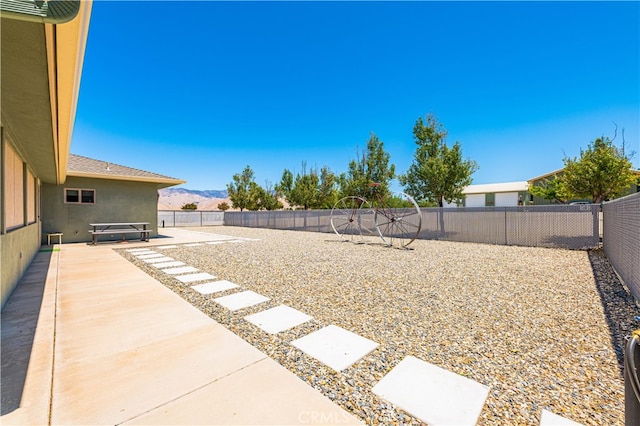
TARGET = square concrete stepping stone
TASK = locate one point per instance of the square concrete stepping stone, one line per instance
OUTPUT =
(167, 247)
(148, 255)
(194, 245)
(278, 319)
(158, 259)
(214, 287)
(334, 346)
(241, 300)
(171, 264)
(550, 419)
(191, 278)
(139, 250)
(180, 270)
(432, 394)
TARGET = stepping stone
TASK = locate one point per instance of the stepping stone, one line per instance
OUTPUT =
(194, 245)
(278, 319)
(241, 300)
(550, 419)
(191, 278)
(166, 247)
(336, 347)
(214, 287)
(180, 270)
(158, 259)
(138, 250)
(432, 394)
(148, 255)
(171, 264)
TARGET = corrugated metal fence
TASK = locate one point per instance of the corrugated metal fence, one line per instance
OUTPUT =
(621, 239)
(564, 226)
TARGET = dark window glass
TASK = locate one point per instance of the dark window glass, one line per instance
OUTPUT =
(72, 196)
(88, 197)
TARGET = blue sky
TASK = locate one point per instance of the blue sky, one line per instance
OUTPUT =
(199, 90)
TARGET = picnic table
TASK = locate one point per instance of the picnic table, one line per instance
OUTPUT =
(122, 228)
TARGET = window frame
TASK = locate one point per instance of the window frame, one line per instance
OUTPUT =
(80, 191)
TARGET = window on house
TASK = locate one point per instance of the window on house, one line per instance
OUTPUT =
(14, 188)
(79, 196)
(31, 197)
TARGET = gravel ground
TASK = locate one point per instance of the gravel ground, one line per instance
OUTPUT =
(543, 328)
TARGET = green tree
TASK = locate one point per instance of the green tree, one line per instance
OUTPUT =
(256, 194)
(328, 195)
(602, 172)
(551, 189)
(438, 173)
(224, 206)
(309, 190)
(269, 198)
(372, 167)
(239, 189)
(189, 206)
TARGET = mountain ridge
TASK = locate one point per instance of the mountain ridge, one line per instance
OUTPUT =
(175, 198)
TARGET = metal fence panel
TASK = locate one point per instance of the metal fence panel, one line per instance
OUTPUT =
(565, 226)
(621, 239)
(171, 218)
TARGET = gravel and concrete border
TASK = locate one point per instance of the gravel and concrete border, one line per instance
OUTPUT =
(543, 328)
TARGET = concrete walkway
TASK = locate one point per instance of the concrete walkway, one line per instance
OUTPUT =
(89, 338)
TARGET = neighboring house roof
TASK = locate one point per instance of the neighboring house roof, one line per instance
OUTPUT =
(556, 172)
(546, 175)
(79, 166)
(496, 187)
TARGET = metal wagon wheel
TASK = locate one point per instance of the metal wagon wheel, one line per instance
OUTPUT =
(351, 218)
(398, 225)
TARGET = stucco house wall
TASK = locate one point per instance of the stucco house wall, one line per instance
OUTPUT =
(41, 68)
(115, 201)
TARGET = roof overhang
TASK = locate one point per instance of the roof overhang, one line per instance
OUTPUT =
(40, 80)
(161, 182)
(41, 11)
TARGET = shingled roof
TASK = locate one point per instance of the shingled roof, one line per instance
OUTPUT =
(79, 166)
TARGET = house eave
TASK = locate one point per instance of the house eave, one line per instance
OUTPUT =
(161, 182)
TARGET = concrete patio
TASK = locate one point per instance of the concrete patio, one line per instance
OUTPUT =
(89, 338)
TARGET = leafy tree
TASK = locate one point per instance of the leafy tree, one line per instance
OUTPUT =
(269, 198)
(603, 171)
(256, 194)
(372, 167)
(189, 206)
(328, 195)
(239, 189)
(438, 173)
(551, 189)
(309, 190)
(224, 206)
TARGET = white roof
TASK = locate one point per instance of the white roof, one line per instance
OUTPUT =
(497, 187)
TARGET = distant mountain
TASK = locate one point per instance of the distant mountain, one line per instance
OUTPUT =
(175, 198)
(207, 193)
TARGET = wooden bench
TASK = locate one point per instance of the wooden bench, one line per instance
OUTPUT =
(120, 228)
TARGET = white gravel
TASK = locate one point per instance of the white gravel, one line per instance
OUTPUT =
(543, 328)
